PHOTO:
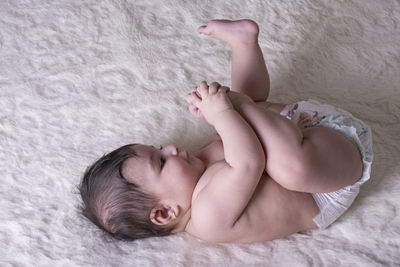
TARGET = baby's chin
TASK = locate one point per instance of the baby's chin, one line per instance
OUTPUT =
(198, 163)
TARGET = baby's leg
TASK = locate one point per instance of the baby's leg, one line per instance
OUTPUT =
(321, 160)
(315, 160)
(249, 72)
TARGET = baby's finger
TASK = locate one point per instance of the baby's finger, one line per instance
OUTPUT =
(192, 109)
(213, 87)
(187, 98)
(225, 89)
(195, 111)
(203, 89)
(194, 99)
(194, 91)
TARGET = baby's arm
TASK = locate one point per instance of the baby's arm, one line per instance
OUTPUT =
(221, 202)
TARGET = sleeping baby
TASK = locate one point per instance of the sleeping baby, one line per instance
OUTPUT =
(270, 170)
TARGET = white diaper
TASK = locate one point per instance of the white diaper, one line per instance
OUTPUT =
(332, 205)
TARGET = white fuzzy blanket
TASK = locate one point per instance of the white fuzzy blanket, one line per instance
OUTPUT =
(81, 78)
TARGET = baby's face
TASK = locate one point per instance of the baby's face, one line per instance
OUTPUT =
(169, 173)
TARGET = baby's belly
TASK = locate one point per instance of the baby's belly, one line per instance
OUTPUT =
(275, 212)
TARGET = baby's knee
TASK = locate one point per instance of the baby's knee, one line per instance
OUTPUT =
(292, 174)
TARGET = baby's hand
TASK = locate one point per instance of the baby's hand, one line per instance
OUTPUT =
(209, 101)
(195, 111)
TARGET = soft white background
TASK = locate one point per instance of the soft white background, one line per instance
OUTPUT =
(81, 78)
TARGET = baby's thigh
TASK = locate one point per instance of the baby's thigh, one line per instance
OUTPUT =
(274, 107)
(330, 158)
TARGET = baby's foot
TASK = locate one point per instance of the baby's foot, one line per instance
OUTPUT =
(232, 32)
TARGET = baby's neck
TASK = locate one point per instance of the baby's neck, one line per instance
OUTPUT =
(183, 222)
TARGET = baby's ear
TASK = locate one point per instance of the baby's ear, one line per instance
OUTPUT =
(162, 215)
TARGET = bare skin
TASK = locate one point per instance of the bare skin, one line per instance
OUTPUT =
(292, 152)
(273, 212)
(238, 188)
(265, 218)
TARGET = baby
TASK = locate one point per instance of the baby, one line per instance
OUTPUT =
(270, 171)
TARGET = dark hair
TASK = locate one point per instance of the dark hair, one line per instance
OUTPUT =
(115, 205)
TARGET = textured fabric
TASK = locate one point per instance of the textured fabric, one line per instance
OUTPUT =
(81, 78)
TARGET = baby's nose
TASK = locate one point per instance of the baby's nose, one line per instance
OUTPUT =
(174, 149)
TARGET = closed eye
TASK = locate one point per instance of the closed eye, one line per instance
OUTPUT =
(162, 162)
(162, 159)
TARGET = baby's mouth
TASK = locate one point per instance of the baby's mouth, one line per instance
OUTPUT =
(186, 155)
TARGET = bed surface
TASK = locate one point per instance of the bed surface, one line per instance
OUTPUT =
(81, 78)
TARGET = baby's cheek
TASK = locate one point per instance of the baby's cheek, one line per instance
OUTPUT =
(188, 173)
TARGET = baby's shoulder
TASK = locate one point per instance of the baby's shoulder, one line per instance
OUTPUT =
(205, 179)
(216, 205)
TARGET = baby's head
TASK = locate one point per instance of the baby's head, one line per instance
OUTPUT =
(139, 191)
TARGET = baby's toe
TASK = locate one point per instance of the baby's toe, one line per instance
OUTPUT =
(203, 30)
